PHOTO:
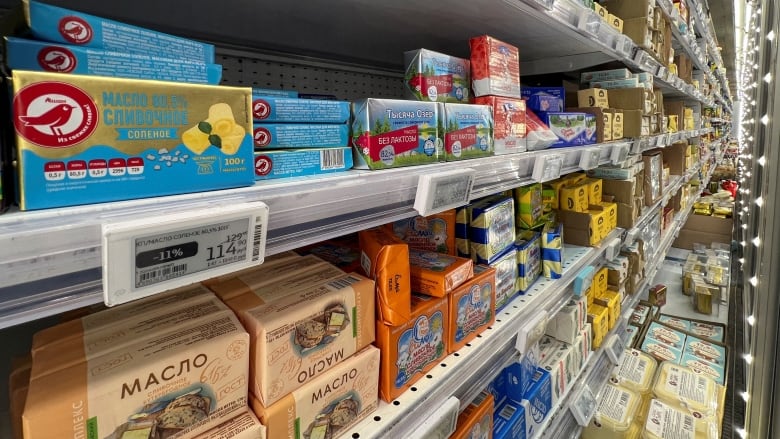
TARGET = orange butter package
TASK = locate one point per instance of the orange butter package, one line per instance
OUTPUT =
(476, 420)
(434, 233)
(472, 307)
(410, 350)
(435, 274)
(385, 259)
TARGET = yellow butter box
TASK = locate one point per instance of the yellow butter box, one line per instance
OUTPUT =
(594, 190)
(574, 198)
(601, 280)
(598, 317)
(610, 300)
(555, 186)
(90, 139)
(615, 22)
(529, 209)
(435, 274)
(611, 216)
(608, 122)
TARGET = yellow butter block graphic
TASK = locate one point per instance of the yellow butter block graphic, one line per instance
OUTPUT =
(219, 129)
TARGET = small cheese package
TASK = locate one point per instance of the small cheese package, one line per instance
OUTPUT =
(495, 67)
(468, 131)
(615, 414)
(686, 390)
(509, 421)
(506, 277)
(715, 371)
(411, 349)
(462, 243)
(471, 307)
(665, 421)
(509, 129)
(705, 350)
(491, 228)
(666, 335)
(661, 351)
(436, 274)
(529, 210)
(436, 77)
(675, 322)
(636, 372)
(476, 420)
(435, 233)
(528, 259)
(707, 330)
(327, 405)
(552, 250)
(243, 426)
(385, 259)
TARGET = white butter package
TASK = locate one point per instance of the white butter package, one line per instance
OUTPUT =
(686, 390)
(179, 383)
(328, 405)
(243, 426)
(506, 277)
(566, 324)
(615, 414)
(636, 372)
(664, 422)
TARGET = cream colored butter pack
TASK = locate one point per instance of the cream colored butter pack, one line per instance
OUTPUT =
(298, 337)
(328, 405)
(177, 385)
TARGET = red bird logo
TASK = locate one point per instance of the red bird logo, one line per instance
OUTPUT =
(52, 120)
(75, 30)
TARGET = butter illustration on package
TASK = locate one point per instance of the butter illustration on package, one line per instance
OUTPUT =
(529, 259)
(436, 233)
(389, 133)
(269, 164)
(675, 322)
(666, 335)
(472, 307)
(436, 77)
(190, 381)
(285, 110)
(492, 228)
(413, 348)
(60, 25)
(462, 221)
(385, 259)
(287, 135)
(468, 131)
(661, 351)
(23, 54)
(506, 277)
(476, 420)
(708, 331)
(327, 405)
(86, 139)
(436, 274)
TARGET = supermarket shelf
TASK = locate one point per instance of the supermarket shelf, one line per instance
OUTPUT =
(465, 373)
(53, 257)
(690, 48)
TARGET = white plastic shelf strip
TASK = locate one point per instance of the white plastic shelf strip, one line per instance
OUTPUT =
(466, 372)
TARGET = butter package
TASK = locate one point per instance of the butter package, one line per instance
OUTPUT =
(636, 372)
(506, 277)
(591, 130)
(472, 308)
(285, 110)
(270, 92)
(385, 259)
(568, 126)
(529, 212)
(509, 123)
(495, 67)
(520, 373)
(436, 274)
(23, 54)
(600, 281)
(243, 426)
(574, 198)
(686, 390)
(616, 84)
(544, 99)
(615, 414)
(468, 131)
(664, 421)
(270, 164)
(528, 258)
(436, 77)
(509, 421)
(327, 405)
(605, 75)
(434, 233)
(661, 351)
(193, 379)
(116, 139)
(593, 97)
(675, 322)
(715, 371)
(704, 350)
(413, 348)
(566, 324)
(666, 335)
(60, 25)
(389, 133)
(538, 401)
(491, 228)
(610, 300)
(281, 135)
(631, 334)
(301, 335)
(598, 317)
(476, 420)
(707, 330)
(343, 256)
(462, 242)
(552, 251)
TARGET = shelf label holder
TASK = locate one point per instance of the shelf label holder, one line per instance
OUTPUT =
(441, 423)
(584, 406)
(547, 167)
(440, 191)
(531, 332)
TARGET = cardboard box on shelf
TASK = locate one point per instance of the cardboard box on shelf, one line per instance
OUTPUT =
(583, 228)
(630, 9)
(628, 98)
(616, 22)
(702, 229)
(639, 32)
(617, 124)
(632, 123)
(593, 97)
(674, 157)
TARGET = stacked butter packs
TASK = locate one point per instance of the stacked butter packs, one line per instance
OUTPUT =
(175, 365)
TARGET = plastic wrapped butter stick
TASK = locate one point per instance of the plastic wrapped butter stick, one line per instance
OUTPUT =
(664, 421)
(615, 414)
(385, 259)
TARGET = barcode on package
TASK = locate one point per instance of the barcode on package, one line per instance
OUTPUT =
(257, 241)
(688, 423)
(507, 412)
(344, 283)
(160, 274)
(624, 399)
(332, 159)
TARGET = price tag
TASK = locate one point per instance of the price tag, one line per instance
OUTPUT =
(584, 406)
(531, 332)
(619, 153)
(548, 167)
(441, 423)
(662, 72)
(440, 191)
(143, 257)
(590, 158)
(614, 349)
(613, 249)
(636, 146)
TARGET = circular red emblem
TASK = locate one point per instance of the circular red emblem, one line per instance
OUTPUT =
(54, 114)
(262, 136)
(57, 59)
(263, 165)
(261, 109)
(75, 29)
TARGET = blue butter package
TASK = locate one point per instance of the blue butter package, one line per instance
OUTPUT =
(498, 388)
(90, 139)
(257, 92)
(661, 351)
(291, 110)
(60, 25)
(552, 251)
(700, 366)
(590, 129)
(520, 375)
(280, 163)
(509, 421)
(462, 232)
(288, 135)
(506, 277)
(537, 401)
(492, 228)
(705, 350)
(46, 57)
(528, 259)
(544, 99)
